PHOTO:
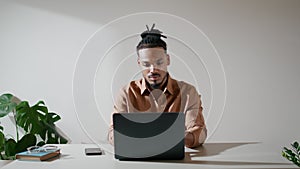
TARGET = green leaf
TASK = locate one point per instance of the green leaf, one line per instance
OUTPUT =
(295, 144)
(10, 147)
(28, 118)
(292, 155)
(2, 141)
(25, 142)
(290, 152)
(41, 143)
(51, 118)
(6, 104)
(37, 120)
(53, 137)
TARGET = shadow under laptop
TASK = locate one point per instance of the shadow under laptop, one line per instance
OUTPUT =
(213, 149)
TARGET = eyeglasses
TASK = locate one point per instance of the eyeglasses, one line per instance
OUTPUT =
(44, 148)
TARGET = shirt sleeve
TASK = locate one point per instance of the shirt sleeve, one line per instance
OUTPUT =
(120, 106)
(194, 120)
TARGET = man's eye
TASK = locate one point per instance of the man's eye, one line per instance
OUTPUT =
(160, 63)
(146, 64)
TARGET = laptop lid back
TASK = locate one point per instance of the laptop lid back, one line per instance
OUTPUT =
(148, 136)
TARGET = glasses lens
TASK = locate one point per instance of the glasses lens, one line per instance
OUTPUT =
(50, 147)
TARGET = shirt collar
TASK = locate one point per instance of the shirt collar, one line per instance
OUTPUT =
(143, 86)
(171, 87)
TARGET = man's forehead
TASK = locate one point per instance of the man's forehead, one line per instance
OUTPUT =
(152, 53)
(156, 50)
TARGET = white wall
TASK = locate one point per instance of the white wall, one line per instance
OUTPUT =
(47, 52)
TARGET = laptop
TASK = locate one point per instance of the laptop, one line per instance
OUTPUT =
(148, 136)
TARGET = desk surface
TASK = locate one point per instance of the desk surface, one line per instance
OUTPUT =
(210, 155)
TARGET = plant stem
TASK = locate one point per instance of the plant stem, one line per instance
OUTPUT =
(17, 130)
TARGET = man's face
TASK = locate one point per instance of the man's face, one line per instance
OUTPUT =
(154, 62)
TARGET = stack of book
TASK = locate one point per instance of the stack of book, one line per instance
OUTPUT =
(39, 155)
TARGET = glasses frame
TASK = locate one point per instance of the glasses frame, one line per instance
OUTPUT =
(44, 148)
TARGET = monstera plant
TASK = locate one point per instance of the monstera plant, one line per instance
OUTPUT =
(36, 122)
(292, 154)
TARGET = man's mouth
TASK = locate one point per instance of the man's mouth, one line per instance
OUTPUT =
(154, 76)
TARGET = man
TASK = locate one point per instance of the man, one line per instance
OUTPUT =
(158, 92)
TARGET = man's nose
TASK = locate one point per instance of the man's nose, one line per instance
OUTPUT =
(152, 68)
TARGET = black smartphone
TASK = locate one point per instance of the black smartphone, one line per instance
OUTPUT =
(93, 151)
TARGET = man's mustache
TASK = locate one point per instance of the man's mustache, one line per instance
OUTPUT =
(153, 74)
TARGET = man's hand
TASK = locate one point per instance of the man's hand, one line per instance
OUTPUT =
(188, 139)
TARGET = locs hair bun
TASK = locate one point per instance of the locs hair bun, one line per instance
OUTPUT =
(151, 38)
(152, 33)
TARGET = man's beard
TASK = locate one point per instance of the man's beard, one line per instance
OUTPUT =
(156, 85)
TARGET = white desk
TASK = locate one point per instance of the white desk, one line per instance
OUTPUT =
(210, 155)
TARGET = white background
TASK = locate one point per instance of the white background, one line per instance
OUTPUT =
(258, 42)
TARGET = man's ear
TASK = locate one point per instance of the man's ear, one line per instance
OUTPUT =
(168, 59)
(138, 60)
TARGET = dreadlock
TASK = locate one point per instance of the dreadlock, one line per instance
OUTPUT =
(151, 39)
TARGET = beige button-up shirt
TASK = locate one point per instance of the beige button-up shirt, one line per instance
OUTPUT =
(177, 96)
